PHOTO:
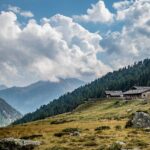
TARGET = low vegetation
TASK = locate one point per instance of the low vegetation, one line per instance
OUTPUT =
(102, 128)
(94, 127)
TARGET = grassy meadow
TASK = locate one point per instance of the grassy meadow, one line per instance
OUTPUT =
(97, 125)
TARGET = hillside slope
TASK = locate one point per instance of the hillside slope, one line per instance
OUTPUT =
(54, 133)
(123, 79)
(7, 113)
(29, 98)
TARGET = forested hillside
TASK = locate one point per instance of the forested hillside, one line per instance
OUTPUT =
(123, 79)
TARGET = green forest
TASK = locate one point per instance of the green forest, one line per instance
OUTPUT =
(123, 79)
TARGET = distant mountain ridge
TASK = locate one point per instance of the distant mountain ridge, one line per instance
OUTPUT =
(123, 79)
(7, 113)
(2, 87)
(29, 98)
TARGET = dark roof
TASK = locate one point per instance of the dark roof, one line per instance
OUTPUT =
(140, 87)
(138, 91)
(114, 93)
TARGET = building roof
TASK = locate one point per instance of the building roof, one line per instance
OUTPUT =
(137, 91)
(114, 93)
(141, 87)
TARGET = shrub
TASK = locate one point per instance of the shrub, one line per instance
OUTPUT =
(67, 131)
(60, 121)
(117, 102)
(70, 130)
(31, 136)
(59, 134)
(102, 128)
(91, 143)
(118, 127)
(115, 146)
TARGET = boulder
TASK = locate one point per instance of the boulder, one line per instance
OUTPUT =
(139, 120)
(76, 133)
(17, 144)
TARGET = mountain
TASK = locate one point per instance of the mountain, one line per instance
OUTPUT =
(7, 113)
(2, 87)
(29, 98)
(123, 79)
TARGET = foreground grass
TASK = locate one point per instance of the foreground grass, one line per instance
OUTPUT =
(89, 119)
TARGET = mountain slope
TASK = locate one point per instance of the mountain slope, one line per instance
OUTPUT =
(27, 99)
(90, 120)
(2, 87)
(7, 113)
(123, 79)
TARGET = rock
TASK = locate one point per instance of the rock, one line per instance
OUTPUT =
(120, 143)
(147, 130)
(76, 133)
(139, 120)
(17, 144)
(129, 110)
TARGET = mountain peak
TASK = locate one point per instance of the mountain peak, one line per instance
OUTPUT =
(7, 113)
(29, 98)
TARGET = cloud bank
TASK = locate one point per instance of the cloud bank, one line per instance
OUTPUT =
(58, 47)
(61, 47)
(132, 42)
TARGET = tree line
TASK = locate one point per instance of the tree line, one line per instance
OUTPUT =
(123, 79)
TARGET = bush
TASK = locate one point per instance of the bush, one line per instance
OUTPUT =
(70, 130)
(31, 136)
(59, 134)
(60, 121)
(117, 102)
(102, 128)
(115, 146)
(91, 143)
(67, 131)
(118, 127)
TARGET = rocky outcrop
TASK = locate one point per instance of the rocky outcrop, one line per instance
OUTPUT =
(139, 120)
(17, 144)
(7, 113)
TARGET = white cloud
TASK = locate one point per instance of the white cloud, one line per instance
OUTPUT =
(97, 14)
(59, 47)
(132, 42)
(56, 48)
(122, 4)
(21, 12)
(133, 11)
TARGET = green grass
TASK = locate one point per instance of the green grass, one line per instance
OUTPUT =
(85, 119)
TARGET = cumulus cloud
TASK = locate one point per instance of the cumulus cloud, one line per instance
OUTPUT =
(122, 4)
(132, 42)
(58, 47)
(21, 12)
(97, 14)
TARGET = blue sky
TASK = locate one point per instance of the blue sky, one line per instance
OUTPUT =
(48, 8)
(85, 39)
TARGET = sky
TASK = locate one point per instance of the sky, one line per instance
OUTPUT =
(49, 39)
